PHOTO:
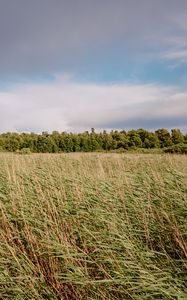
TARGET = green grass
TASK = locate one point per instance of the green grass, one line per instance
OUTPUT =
(93, 226)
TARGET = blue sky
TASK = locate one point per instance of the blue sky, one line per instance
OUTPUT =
(70, 65)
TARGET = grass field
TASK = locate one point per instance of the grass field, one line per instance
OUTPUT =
(93, 226)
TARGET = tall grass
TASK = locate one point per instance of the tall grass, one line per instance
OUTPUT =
(93, 226)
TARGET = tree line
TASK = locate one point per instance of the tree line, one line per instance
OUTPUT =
(169, 141)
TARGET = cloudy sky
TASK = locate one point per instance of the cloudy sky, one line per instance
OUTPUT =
(70, 65)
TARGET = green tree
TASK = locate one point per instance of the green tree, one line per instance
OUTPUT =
(149, 139)
(134, 139)
(176, 136)
(46, 144)
(164, 137)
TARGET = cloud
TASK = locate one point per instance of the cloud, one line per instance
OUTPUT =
(176, 58)
(44, 36)
(97, 41)
(176, 42)
(181, 54)
(66, 105)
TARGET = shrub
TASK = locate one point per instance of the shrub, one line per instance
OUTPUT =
(24, 151)
(179, 148)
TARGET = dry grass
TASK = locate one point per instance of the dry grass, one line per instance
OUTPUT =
(93, 226)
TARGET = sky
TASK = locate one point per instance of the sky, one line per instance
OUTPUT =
(70, 65)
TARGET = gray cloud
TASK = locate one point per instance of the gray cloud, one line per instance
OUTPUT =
(150, 123)
(65, 105)
(41, 36)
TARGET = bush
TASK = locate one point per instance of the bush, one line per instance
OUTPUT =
(179, 148)
(24, 151)
(1, 149)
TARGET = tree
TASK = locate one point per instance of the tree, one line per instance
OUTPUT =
(71, 142)
(108, 142)
(149, 139)
(164, 137)
(46, 144)
(177, 136)
(134, 139)
(76, 143)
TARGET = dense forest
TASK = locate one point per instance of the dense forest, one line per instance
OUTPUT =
(174, 141)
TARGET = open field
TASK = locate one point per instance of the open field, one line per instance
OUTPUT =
(93, 226)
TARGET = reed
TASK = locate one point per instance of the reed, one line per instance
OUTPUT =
(93, 226)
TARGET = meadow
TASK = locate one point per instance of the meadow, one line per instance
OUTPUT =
(93, 226)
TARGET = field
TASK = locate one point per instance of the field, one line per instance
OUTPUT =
(93, 226)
